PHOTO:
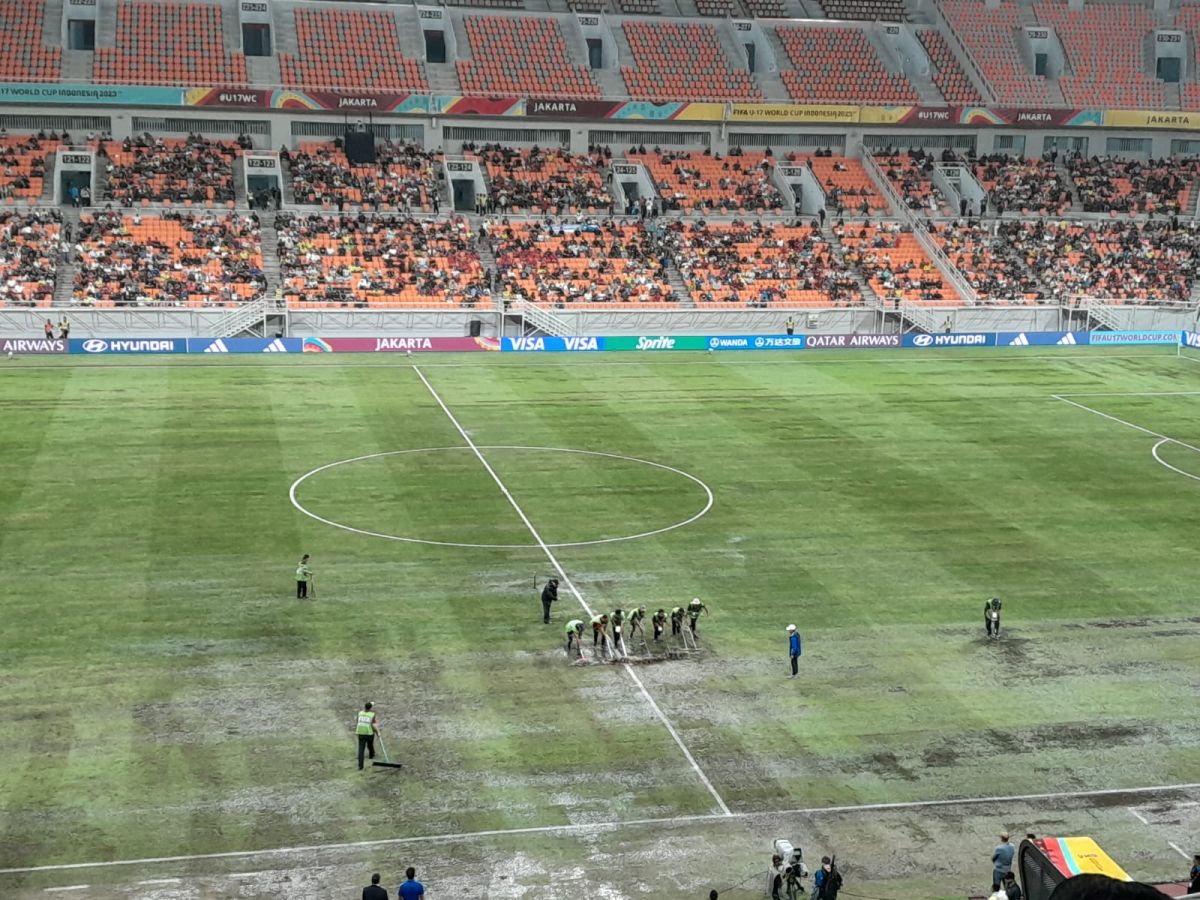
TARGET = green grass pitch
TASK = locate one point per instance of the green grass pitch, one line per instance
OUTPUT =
(165, 695)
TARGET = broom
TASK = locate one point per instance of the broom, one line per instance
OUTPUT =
(387, 763)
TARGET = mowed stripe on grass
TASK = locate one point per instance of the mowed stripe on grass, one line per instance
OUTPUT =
(201, 709)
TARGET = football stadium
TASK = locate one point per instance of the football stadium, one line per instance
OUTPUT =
(599, 448)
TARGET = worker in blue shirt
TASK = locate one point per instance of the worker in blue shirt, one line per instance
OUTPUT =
(794, 649)
(411, 889)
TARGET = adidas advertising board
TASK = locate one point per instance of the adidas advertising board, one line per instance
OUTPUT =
(244, 345)
(953, 339)
(1042, 338)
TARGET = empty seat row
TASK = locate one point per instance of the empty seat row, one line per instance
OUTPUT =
(839, 65)
(521, 55)
(682, 61)
(341, 48)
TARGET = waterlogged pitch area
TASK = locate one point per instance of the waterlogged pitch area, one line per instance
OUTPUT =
(175, 724)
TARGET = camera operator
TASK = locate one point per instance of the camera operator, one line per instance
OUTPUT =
(828, 880)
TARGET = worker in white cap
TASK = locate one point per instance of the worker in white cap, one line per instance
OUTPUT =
(794, 649)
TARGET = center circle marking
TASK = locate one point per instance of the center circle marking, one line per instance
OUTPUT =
(708, 494)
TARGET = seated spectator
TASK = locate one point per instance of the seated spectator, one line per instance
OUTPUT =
(150, 169)
(1107, 184)
(177, 259)
(1017, 184)
(553, 181)
(404, 176)
(912, 176)
(342, 260)
(696, 182)
(894, 263)
(29, 254)
(995, 270)
(580, 263)
(23, 165)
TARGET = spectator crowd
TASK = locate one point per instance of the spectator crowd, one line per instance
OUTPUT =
(155, 169)
(404, 177)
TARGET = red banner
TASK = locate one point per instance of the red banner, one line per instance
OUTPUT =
(399, 344)
(570, 109)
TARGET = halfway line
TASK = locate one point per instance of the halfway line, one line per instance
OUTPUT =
(571, 586)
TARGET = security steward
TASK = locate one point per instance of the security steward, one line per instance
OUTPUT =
(549, 595)
(790, 325)
(366, 729)
(303, 576)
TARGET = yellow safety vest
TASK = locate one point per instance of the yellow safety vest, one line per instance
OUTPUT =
(366, 722)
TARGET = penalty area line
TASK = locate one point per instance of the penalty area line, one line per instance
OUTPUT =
(585, 827)
(537, 537)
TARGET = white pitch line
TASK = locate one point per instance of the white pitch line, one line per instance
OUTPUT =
(1129, 394)
(571, 587)
(1137, 815)
(69, 887)
(1127, 424)
(586, 827)
(161, 881)
(1163, 462)
(1174, 846)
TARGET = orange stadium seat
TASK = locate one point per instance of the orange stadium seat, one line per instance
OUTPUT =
(895, 264)
(762, 265)
(23, 56)
(390, 262)
(844, 179)
(869, 10)
(402, 177)
(23, 166)
(179, 170)
(765, 9)
(349, 48)
(838, 65)
(693, 182)
(521, 55)
(1103, 45)
(1188, 20)
(989, 265)
(577, 267)
(545, 181)
(990, 37)
(718, 8)
(169, 43)
(947, 73)
(682, 61)
(171, 260)
(28, 257)
(914, 184)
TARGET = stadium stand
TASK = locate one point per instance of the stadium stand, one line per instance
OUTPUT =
(947, 73)
(765, 9)
(586, 6)
(349, 48)
(23, 56)
(697, 182)
(989, 35)
(1106, 184)
(23, 166)
(838, 65)
(869, 10)
(1103, 46)
(581, 265)
(189, 171)
(846, 183)
(540, 180)
(894, 263)
(911, 177)
(521, 55)
(29, 252)
(682, 61)
(403, 176)
(169, 43)
(639, 7)
(1022, 185)
(392, 261)
(173, 259)
(494, 4)
(1123, 260)
(990, 266)
(1188, 19)
(761, 265)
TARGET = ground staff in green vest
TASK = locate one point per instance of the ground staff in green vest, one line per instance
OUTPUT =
(303, 577)
(574, 636)
(366, 729)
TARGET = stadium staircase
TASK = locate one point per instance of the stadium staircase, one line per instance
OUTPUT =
(99, 183)
(965, 60)
(675, 280)
(247, 319)
(64, 279)
(487, 259)
(1065, 174)
(536, 319)
(870, 298)
(269, 242)
(263, 70)
(1099, 316)
(239, 181)
(954, 278)
(49, 179)
(106, 25)
(289, 195)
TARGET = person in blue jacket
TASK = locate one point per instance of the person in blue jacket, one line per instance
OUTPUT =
(794, 649)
